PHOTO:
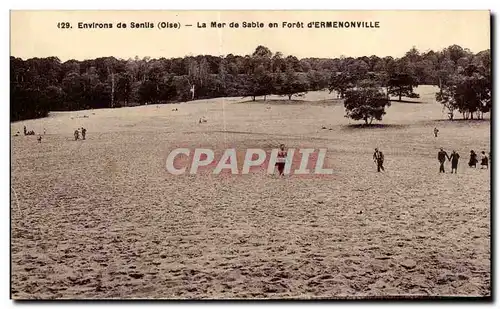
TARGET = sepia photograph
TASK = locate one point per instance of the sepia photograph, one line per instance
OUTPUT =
(250, 155)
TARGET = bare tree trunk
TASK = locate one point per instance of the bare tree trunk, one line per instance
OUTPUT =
(289, 97)
(253, 98)
(112, 90)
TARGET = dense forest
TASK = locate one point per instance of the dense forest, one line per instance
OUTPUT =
(40, 85)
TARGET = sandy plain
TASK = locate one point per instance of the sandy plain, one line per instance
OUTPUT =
(102, 218)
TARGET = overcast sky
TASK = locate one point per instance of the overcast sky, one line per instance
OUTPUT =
(35, 33)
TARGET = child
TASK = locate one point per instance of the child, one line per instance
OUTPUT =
(484, 160)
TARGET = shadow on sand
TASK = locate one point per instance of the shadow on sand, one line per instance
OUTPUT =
(408, 102)
(374, 126)
(292, 102)
(460, 120)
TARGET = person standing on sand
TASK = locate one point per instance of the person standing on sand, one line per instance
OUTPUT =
(77, 134)
(281, 160)
(484, 160)
(84, 131)
(25, 130)
(454, 161)
(442, 156)
(378, 157)
(436, 131)
(473, 159)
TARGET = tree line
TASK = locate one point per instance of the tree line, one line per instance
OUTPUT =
(40, 85)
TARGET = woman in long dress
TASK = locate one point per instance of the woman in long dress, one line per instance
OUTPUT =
(484, 160)
(473, 159)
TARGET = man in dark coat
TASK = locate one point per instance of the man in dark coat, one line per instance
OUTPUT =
(378, 157)
(442, 156)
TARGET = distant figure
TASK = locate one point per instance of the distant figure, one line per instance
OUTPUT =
(436, 131)
(77, 134)
(44, 131)
(484, 159)
(84, 131)
(473, 159)
(454, 161)
(39, 138)
(378, 157)
(25, 133)
(192, 92)
(199, 121)
(281, 160)
(442, 156)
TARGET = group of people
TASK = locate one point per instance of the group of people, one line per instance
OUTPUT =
(77, 133)
(454, 157)
(31, 132)
(484, 159)
(443, 155)
(378, 158)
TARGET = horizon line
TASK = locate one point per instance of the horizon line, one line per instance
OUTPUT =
(225, 55)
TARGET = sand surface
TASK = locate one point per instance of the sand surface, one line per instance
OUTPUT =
(102, 218)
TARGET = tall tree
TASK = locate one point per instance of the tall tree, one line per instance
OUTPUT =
(401, 84)
(367, 103)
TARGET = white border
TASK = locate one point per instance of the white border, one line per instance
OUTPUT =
(185, 4)
(255, 5)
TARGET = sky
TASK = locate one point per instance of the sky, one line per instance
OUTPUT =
(36, 33)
